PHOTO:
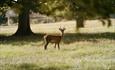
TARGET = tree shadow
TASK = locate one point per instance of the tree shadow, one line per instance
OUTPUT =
(26, 66)
(21, 40)
(36, 67)
(91, 37)
(68, 38)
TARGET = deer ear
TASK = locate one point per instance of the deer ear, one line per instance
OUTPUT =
(64, 28)
(60, 28)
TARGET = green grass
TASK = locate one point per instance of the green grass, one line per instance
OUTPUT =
(83, 51)
(82, 55)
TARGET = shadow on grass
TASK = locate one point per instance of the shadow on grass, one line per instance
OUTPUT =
(17, 40)
(68, 38)
(92, 37)
(26, 66)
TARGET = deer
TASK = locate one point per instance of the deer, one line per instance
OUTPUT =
(54, 38)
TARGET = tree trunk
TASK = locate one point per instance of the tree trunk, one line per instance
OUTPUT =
(103, 21)
(79, 22)
(109, 22)
(23, 24)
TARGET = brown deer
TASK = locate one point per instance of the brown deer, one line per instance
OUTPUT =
(54, 39)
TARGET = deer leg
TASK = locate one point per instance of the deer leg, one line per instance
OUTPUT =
(45, 47)
(58, 46)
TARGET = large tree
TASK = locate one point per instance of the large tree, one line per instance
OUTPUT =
(103, 9)
(23, 8)
(80, 10)
(91, 9)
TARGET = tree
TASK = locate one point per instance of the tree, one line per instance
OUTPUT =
(104, 9)
(23, 8)
(91, 9)
(80, 10)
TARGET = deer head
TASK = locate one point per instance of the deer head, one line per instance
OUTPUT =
(62, 29)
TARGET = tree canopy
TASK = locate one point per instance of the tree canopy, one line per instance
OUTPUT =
(80, 10)
(91, 9)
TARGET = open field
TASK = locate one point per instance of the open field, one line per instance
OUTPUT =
(93, 48)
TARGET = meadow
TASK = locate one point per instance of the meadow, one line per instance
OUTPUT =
(90, 48)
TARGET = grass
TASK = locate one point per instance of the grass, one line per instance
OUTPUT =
(79, 51)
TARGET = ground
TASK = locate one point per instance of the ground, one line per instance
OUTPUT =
(90, 48)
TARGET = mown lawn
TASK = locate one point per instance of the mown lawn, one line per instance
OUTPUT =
(79, 51)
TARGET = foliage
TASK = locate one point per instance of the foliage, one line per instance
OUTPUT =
(80, 10)
(91, 9)
(3, 19)
(87, 8)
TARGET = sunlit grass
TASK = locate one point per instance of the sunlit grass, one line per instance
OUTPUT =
(80, 55)
(78, 51)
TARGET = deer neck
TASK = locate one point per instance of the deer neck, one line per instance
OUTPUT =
(62, 34)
